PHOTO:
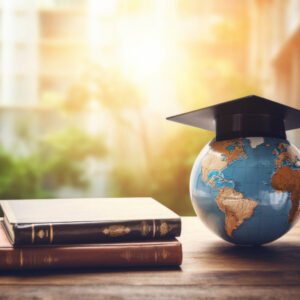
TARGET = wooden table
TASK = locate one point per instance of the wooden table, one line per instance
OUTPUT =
(211, 269)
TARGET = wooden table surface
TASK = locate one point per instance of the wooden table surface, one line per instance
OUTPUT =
(211, 269)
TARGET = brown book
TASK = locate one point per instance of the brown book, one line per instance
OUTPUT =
(74, 221)
(130, 254)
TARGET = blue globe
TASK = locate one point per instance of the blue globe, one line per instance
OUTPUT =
(247, 190)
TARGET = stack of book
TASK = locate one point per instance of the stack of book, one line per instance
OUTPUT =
(74, 233)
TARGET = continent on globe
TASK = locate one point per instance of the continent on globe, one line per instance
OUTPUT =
(256, 141)
(223, 154)
(212, 162)
(232, 149)
(286, 154)
(236, 208)
(285, 179)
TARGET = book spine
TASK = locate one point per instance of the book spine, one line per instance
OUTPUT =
(74, 233)
(166, 254)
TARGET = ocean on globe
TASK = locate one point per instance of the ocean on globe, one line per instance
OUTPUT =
(247, 190)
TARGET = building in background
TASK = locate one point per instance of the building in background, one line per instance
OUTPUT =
(275, 50)
(44, 47)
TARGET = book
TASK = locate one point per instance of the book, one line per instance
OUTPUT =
(129, 254)
(102, 220)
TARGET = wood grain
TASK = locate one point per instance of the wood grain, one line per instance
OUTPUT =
(211, 269)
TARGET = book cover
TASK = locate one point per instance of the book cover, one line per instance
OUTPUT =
(129, 254)
(102, 220)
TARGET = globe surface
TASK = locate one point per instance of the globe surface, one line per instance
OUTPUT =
(247, 190)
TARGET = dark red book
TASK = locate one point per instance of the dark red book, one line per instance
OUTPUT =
(129, 254)
(81, 221)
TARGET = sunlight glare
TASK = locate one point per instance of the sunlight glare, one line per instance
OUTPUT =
(142, 58)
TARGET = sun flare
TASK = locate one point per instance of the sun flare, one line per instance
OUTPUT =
(142, 58)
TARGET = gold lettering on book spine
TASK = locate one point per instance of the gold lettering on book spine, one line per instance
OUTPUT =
(154, 228)
(116, 230)
(126, 255)
(21, 259)
(51, 233)
(32, 233)
(155, 256)
(41, 233)
(163, 229)
(164, 253)
(48, 259)
(145, 228)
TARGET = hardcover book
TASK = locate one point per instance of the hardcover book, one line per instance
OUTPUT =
(128, 254)
(102, 220)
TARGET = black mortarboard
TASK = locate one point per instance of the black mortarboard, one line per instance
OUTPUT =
(248, 116)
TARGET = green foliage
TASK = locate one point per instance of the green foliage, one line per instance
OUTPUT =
(107, 86)
(58, 161)
(167, 177)
(19, 177)
(173, 168)
(64, 153)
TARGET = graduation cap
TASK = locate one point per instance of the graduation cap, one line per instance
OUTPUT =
(249, 116)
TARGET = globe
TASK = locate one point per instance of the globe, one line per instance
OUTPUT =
(247, 190)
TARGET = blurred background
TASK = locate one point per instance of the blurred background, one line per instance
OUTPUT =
(86, 85)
